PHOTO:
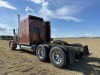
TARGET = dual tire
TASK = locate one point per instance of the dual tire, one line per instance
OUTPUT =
(57, 55)
(42, 52)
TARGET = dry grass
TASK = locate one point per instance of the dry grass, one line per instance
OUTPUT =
(26, 63)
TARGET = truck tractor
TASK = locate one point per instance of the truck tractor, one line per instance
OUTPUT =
(35, 33)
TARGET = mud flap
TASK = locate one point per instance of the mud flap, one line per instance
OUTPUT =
(71, 56)
(86, 50)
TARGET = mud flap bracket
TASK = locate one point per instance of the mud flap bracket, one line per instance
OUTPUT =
(86, 50)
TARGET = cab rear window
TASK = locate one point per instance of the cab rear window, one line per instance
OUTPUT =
(38, 30)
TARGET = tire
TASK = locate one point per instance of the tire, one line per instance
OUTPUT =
(12, 45)
(60, 42)
(58, 57)
(79, 54)
(42, 52)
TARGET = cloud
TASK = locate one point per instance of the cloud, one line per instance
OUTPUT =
(5, 27)
(70, 18)
(68, 10)
(44, 11)
(36, 1)
(6, 4)
(88, 34)
(66, 13)
(2, 29)
(28, 9)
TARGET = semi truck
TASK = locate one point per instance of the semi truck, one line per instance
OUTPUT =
(34, 32)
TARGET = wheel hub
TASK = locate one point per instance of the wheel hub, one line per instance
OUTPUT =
(57, 57)
(41, 53)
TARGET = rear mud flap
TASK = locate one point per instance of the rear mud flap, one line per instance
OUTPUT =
(71, 56)
(86, 50)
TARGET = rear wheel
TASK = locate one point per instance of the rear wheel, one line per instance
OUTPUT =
(58, 57)
(42, 52)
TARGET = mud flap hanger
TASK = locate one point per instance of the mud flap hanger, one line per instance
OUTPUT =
(86, 50)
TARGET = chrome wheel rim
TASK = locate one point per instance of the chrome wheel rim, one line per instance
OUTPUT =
(57, 57)
(41, 53)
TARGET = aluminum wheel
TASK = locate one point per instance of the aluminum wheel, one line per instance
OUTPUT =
(41, 53)
(57, 57)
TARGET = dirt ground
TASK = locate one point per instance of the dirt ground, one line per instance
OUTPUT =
(25, 62)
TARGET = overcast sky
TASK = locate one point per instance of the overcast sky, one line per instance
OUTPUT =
(69, 18)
